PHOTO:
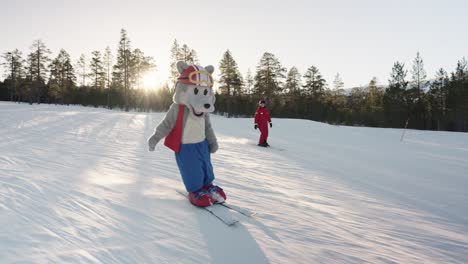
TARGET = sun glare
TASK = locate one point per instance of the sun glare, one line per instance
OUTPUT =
(150, 81)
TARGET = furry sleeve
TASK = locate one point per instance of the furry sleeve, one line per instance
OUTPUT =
(210, 135)
(168, 123)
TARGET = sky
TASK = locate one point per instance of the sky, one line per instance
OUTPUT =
(358, 39)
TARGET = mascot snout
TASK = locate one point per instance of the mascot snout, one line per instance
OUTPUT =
(194, 88)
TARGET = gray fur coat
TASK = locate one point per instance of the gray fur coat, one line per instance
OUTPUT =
(169, 122)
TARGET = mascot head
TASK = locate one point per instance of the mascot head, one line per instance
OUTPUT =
(194, 88)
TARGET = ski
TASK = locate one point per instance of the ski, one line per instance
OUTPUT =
(277, 148)
(270, 147)
(239, 209)
(221, 212)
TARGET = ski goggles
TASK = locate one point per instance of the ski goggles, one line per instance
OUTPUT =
(199, 77)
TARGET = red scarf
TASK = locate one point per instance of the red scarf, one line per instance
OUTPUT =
(174, 139)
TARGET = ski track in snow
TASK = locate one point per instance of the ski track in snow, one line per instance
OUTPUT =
(78, 185)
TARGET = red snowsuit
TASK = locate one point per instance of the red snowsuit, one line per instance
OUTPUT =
(262, 118)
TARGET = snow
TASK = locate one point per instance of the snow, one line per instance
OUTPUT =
(78, 185)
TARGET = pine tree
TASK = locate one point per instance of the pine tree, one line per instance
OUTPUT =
(375, 95)
(230, 79)
(68, 74)
(107, 64)
(122, 69)
(108, 59)
(62, 77)
(194, 56)
(418, 74)
(314, 82)
(438, 97)
(55, 79)
(14, 71)
(293, 81)
(374, 104)
(97, 73)
(457, 99)
(269, 76)
(141, 64)
(188, 55)
(175, 57)
(249, 82)
(38, 59)
(461, 72)
(184, 53)
(415, 96)
(356, 103)
(338, 83)
(82, 70)
(37, 66)
(398, 76)
(396, 103)
(337, 94)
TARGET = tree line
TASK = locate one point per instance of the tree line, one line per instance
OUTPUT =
(410, 98)
(97, 80)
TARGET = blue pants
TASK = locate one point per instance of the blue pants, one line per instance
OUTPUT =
(194, 163)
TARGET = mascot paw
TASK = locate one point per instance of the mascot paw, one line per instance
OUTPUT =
(152, 141)
(213, 147)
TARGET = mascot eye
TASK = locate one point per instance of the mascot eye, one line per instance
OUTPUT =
(205, 92)
(196, 90)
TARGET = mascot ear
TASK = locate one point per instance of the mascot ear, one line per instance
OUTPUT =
(181, 66)
(209, 69)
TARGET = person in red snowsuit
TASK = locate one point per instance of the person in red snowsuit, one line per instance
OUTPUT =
(262, 118)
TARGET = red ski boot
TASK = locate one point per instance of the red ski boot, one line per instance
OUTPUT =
(216, 192)
(201, 198)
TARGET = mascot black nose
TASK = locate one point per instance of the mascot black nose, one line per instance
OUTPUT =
(207, 106)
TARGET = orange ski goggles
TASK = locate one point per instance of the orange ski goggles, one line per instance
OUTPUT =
(195, 75)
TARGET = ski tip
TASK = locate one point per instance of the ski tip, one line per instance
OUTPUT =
(233, 223)
(252, 213)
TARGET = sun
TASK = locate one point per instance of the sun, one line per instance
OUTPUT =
(150, 81)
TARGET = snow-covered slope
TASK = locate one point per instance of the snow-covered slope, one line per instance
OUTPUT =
(77, 185)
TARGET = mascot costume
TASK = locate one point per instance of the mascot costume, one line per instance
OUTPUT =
(188, 132)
